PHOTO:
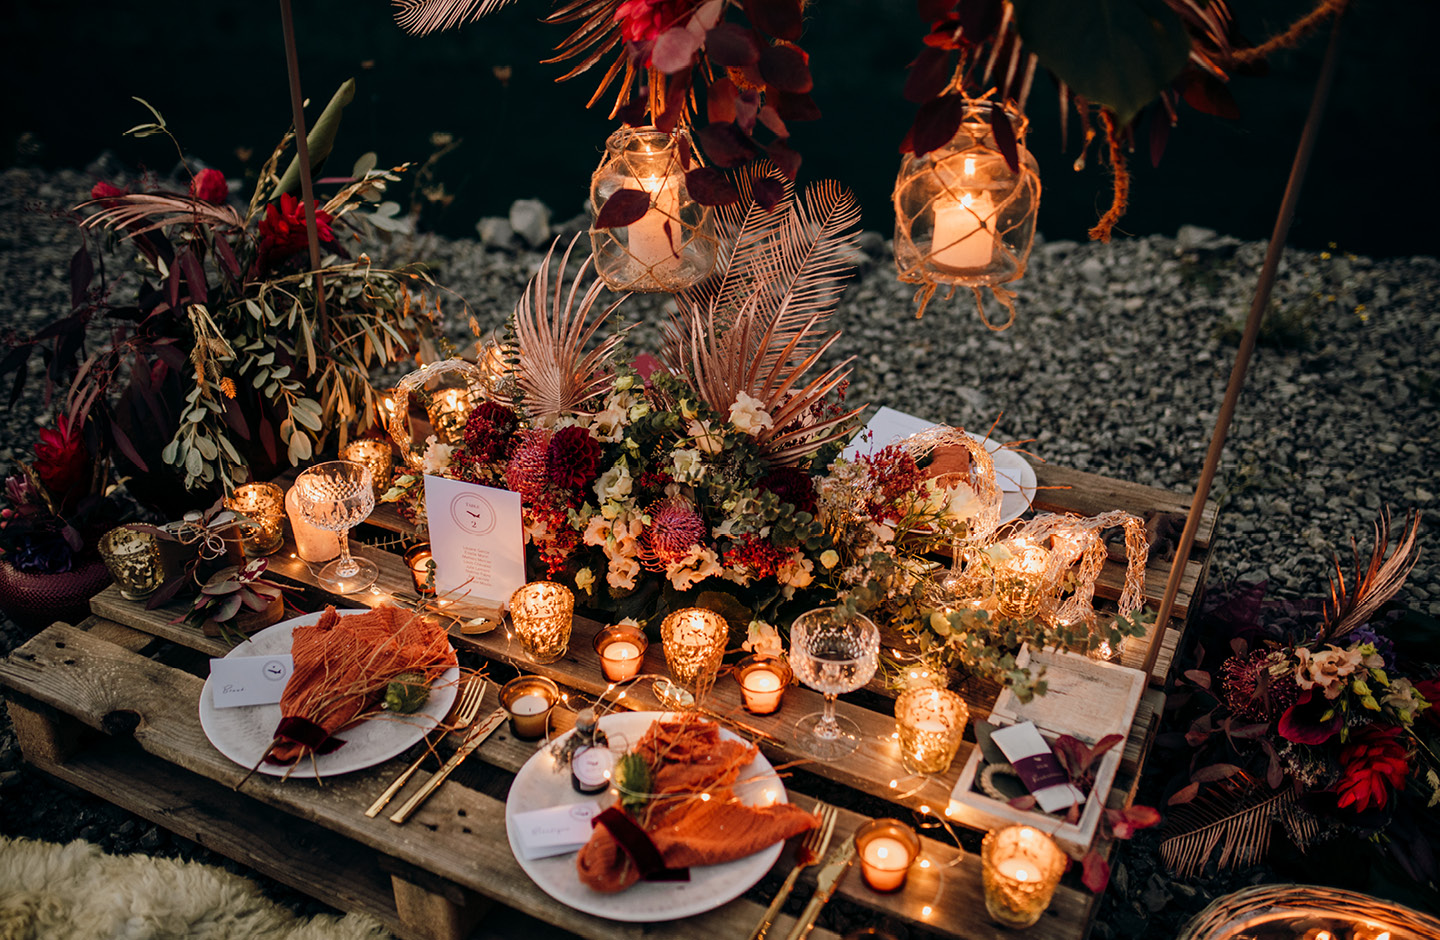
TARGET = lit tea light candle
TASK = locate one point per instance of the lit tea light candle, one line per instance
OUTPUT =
(378, 456)
(930, 724)
(886, 848)
(421, 562)
(528, 701)
(693, 639)
(1020, 866)
(543, 614)
(762, 679)
(622, 651)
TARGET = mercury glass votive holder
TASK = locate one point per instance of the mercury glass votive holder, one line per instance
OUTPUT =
(1020, 866)
(379, 456)
(694, 641)
(621, 649)
(528, 702)
(542, 613)
(931, 725)
(133, 558)
(263, 505)
(762, 679)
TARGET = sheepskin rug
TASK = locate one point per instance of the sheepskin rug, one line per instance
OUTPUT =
(77, 892)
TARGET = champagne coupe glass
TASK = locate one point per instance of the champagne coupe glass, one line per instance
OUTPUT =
(338, 496)
(832, 655)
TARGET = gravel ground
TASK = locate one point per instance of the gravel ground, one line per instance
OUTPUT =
(1116, 364)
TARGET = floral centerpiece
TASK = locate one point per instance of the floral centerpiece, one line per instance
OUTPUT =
(227, 356)
(1314, 716)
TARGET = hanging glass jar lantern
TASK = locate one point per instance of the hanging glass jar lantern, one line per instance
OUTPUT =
(673, 245)
(963, 217)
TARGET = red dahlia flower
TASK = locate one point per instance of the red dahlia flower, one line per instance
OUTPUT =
(62, 463)
(527, 472)
(282, 231)
(1373, 762)
(573, 461)
(490, 432)
(793, 486)
(210, 186)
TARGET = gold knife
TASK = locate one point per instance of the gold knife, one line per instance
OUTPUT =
(474, 740)
(825, 883)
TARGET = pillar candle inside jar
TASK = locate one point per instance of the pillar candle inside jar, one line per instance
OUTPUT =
(886, 848)
(312, 543)
(654, 238)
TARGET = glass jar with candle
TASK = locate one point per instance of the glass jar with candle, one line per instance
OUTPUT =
(528, 702)
(378, 455)
(543, 613)
(673, 245)
(693, 639)
(1020, 577)
(886, 848)
(963, 216)
(621, 649)
(762, 679)
(262, 530)
(1020, 866)
(421, 562)
(133, 558)
(931, 725)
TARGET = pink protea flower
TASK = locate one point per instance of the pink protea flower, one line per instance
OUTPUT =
(675, 528)
(1259, 685)
(526, 473)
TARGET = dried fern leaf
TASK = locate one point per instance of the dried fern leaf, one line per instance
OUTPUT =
(553, 329)
(139, 213)
(1381, 579)
(422, 17)
(1234, 817)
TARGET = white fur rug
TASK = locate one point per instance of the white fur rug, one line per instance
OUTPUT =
(77, 892)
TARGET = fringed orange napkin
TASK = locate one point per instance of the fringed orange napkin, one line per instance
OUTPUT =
(688, 757)
(342, 666)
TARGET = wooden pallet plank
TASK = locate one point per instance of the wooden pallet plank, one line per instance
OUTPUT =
(459, 833)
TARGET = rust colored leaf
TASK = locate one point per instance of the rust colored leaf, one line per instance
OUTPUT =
(687, 154)
(747, 108)
(929, 74)
(1214, 773)
(794, 107)
(622, 208)
(779, 18)
(1204, 92)
(936, 123)
(1199, 677)
(768, 192)
(726, 145)
(785, 68)
(785, 157)
(720, 101)
(1005, 136)
(771, 119)
(677, 95)
(82, 269)
(1096, 872)
(1184, 795)
(709, 186)
(636, 113)
(732, 44)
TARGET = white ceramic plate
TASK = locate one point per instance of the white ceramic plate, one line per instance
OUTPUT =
(1015, 477)
(242, 734)
(537, 786)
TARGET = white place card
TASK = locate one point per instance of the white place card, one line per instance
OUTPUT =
(250, 680)
(555, 830)
(478, 541)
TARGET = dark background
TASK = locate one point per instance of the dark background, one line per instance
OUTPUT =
(216, 70)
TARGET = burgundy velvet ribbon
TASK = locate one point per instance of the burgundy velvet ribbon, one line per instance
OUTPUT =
(305, 733)
(637, 844)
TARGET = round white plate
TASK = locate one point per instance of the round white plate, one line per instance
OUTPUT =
(538, 786)
(242, 734)
(1015, 477)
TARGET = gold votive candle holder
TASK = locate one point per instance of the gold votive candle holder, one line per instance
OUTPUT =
(379, 456)
(528, 702)
(694, 642)
(133, 559)
(1020, 579)
(543, 612)
(886, 849)
(1020, 866)
(449, 410)
(421, 562)
(762, 679)
(621, 649)
(263, 506)
(931, 725)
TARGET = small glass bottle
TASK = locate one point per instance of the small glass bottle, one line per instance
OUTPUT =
(590, 759)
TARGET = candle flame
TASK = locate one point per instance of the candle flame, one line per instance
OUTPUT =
(881, 852)
(969, 166)
(925, 911)
(1023, 875)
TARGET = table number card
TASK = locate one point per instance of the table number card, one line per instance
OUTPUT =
(478, 539)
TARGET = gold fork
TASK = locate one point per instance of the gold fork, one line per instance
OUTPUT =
(810, 852)
(465, 711)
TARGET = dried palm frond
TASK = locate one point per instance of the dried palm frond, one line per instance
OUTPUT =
(422, 17)
(1234, 817)
(139, 213)
(1380, 581)
(723, 362)
(554, 371)
(597, 36)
